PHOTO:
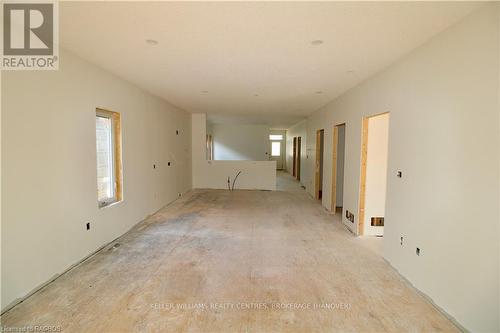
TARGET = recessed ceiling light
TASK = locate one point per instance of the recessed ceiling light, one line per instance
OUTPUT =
(317, 42)
(152, 42)
(319, 92)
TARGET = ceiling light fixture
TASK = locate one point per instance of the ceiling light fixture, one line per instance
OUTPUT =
(151, 42)
(317, 42)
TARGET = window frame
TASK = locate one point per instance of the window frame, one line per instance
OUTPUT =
(116, 149)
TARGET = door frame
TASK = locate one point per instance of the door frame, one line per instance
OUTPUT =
(363, 165)
(318, 161)
(335, 149)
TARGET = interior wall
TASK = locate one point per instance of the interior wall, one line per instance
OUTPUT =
(446, 202)
(49, 167)
(340, 166)
(255, 175)
(234, 142)
(376, 172)
(299, 129)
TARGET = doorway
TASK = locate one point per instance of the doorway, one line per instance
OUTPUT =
(373, 178)
(299, 150)
(338, 155)
(320, 135)
(277, 150)
(294, 158)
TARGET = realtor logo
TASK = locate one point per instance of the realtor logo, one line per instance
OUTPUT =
(30, 36)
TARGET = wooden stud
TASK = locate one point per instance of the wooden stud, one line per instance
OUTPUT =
(362, 188)
(334, 168)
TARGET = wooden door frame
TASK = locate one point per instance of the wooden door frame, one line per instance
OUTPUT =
(318, 160)
(362, 178)
(334, 166)
(299, 152)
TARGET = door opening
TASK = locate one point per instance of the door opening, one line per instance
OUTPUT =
(297, 168)
(320, 134)
(373, 180)
(294, 157)
(277, 150)
(338, 153)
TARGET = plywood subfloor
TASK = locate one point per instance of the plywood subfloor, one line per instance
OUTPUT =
(242, 261)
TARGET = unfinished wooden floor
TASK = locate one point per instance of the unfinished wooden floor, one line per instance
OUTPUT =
(242, 261)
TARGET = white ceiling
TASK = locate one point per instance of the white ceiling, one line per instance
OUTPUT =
(215, 57)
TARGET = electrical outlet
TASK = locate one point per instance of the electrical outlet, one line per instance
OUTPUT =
(177, 132)
(417, 251)
(401, 242)
(168, 163)
(88, 225)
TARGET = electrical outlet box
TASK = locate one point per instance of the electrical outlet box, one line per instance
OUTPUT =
(88, 225)
(377, 221)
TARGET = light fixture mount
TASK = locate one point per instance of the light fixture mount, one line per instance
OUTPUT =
(152, 41)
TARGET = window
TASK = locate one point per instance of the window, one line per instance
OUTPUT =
(109, 166)
(275, 137)
(276, 148)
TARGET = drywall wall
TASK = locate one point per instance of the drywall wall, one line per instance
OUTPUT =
(236, 142)
(340, 166)
(259, 175)
(376, 172)
(298, 130)
(49, 190)
(447, 201)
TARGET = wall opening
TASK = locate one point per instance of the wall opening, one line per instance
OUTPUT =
(373, 182)
(338, 154)
(320, 135)
(297, 167)
(277, 149)
(109, 157)
(294, 158)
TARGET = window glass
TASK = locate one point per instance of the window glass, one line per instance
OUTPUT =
(275, 148)
(105, 174)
